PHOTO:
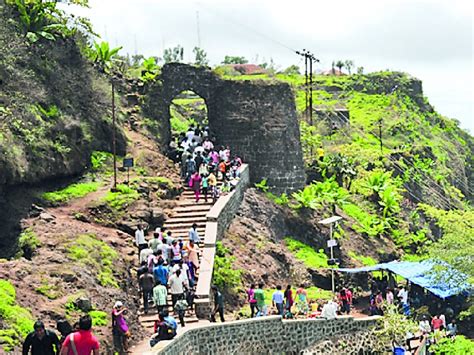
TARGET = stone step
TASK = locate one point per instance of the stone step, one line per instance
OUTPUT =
(184, 220)
(180, 229)
(186, 203)
(197, 208)
(189, 214)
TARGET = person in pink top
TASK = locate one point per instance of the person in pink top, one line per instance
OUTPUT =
(120, 330)
(195, 184)
(252, 300)
(82, 342)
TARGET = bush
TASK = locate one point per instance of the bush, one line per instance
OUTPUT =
(460, 345)
(310, 257)
(70, 192)
(224, 275)
(16, 320)
(99, 318)
(28, 242)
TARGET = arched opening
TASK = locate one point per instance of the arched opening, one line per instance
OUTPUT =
(187, 109)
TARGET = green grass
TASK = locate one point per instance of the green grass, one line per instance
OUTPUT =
(365, 260)
(71, 192)
(49, 290)
(310, 257)
(96, 255)
(121, 198)
(17, 321)
(99, 318)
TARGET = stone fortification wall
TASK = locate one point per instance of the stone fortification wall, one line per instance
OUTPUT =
(257, 119)
(268, 335)
(218, 219)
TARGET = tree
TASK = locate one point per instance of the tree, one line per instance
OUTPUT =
(175, 54)
(292, 70)
(360, 70)
(340, 64)
(456, 246)
(200, 56)
(137, 59)
(234, 60)
(349, 64)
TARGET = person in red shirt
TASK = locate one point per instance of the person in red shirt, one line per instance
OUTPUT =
(82, 342)
(436, 323)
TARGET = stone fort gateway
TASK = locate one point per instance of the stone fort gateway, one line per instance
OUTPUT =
(256, 118)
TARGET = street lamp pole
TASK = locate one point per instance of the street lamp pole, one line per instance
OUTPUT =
(114, 150)
(331, 243)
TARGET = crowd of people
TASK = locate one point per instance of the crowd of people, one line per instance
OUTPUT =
(203, 164)
(292, 303)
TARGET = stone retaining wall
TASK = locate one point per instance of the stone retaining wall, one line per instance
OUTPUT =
(218, 219)
(268, 335)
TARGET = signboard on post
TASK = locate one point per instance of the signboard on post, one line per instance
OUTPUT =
(128, 162)
(332, 243)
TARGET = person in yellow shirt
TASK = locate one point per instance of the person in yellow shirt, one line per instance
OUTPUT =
(320, 152)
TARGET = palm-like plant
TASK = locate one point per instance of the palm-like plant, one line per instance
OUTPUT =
(103, 55)
(340, 65)
(40, 19)
(389, 201)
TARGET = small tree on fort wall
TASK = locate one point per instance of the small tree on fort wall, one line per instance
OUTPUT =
(340, 65)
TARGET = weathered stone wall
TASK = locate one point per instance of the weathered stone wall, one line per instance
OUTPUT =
(362, 342)
(257, 119)
(218, 219)
(269, 335)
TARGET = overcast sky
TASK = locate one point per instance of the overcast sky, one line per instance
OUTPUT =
(430, 39)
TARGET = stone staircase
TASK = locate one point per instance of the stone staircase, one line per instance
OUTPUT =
(184, 215)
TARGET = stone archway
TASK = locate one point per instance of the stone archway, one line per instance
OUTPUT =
(257, 119)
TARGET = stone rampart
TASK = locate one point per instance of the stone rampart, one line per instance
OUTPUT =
(218, 219)
(257, 119)
(269, 335)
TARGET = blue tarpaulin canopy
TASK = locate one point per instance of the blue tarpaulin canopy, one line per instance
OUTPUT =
(420, 273)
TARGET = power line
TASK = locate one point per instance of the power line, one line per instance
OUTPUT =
(250, 29)
(442, 198)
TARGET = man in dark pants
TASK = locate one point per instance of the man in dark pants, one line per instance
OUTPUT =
(41, 341)
(218, 305)
(146, 282)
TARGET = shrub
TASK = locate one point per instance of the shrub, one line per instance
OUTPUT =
(99, 318)
(16, 320)
(28, 242)
(310, 257)
(225, 276)
(319, 194)
(460, 345)
(71, 192)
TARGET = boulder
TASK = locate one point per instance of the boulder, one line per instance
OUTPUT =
(46, 217)
(84, 304)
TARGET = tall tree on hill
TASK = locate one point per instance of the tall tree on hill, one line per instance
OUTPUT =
(340, 65)
(234, 60)
(200, 56)
(349, 64)
(175, 54)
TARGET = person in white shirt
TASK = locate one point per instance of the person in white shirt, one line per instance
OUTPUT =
(424, 326)
(329, 310)
(145, 253)
(190, 133)
(176, 287)
(403, 295)
(140, 240)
